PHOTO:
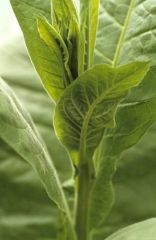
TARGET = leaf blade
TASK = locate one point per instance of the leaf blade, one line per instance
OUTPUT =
(46, 63)
(79, 107)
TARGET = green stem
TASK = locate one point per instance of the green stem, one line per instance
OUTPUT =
(83, 185)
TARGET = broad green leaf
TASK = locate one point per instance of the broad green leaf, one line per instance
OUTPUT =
(35, 215)
(145, 230)
(45, 59)
(88, 27)
(17, 130)
(88, 106)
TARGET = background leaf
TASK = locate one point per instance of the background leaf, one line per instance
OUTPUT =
(126, 32)
(125, 28)
(145, 230)
(134, 184)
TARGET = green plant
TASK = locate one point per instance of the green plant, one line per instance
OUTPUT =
(96, 117)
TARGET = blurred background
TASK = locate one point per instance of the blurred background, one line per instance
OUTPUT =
(9, 27)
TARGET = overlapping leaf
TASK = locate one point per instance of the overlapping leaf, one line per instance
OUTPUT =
(88, 106)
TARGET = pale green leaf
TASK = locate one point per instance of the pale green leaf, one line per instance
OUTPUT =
(35, 215)
(88, 27)
(17, 130)
(45, 60)
(88, 106)
(145, 230)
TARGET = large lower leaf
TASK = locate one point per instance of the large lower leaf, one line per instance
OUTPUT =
(145, 230)
(34, 216)
(88, 106)
(18, 131)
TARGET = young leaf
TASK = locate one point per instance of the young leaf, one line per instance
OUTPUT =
(88, 106)
(144, 230)
(46, 62)
(58, 47)
(66, 23)
(62, 11)
(17, 130)
(88, 27)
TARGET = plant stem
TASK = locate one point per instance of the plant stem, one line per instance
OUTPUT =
(83, 182)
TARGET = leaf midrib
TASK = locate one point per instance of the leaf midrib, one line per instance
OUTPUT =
(82, 148)
(122, 35)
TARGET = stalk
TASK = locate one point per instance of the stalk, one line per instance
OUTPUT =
(85, 62)
(83, 189)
